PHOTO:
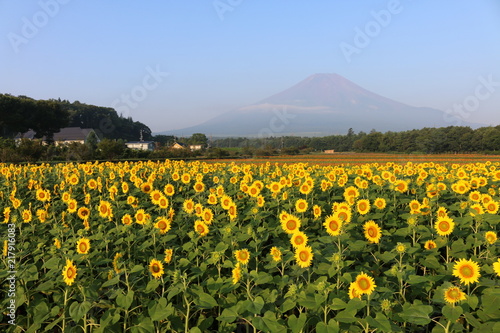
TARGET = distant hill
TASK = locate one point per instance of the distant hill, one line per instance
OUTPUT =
(322, 104)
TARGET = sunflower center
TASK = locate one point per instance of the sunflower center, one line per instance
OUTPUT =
(467, 271)
(70, 273)
(334, 225)
(291, 224)
(372, 232)
(444, 226)
(162, 225)
(364, 284)
(304, 255)
(299, 240)
(453, 294)
(83, 247)
(155, 268)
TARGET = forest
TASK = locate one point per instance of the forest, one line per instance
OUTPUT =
(45, 117)
(451, 139)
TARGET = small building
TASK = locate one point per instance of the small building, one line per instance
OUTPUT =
(195, 147)
(329, 151)
(141, 145)
(65, 136)
(178, 145)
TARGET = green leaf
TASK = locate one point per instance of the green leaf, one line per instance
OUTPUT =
(157, 310)
(338, 304)
(256, 306)
(386, 256)
(380, 322)
(78, 310)
(415, 279)
(41, 311)
(195, 330)
(473, 301)
(430, 262)
(151, 286)
(124, 301)
(355, 304)
(288, 304)
(205, 301)
(47, 285)
(297, 324)
(472, 320)
(263, 278)
(52, 263)
(137, 268)
(228, 315)
(452, 312)
(417, 314)
(332, 327)
(268, 323)
(144, 325)
(346, 316)
(111, 282)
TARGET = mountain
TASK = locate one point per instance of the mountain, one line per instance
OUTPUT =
(322, 104)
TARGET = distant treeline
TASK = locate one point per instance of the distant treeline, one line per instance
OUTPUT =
(45, 117)
(452, 139)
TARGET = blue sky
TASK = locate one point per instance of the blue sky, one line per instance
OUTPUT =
(172, 64)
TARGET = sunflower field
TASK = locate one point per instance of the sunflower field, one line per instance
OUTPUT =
(174, 246)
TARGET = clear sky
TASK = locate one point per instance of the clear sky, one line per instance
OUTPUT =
(176, 63)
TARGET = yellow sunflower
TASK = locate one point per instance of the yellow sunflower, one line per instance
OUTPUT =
(333, 225)
(146, 187)
(83, 246)
(363, 206)
(316, 211)
(496, 267)
(188, 206)
(353, 291)
(491, 207)
(467, 271)
(304, 256)
(491, 237)
(430, 244)
(243, 256)
(290, 224)
(298, 239)
(201, 228)
(380, 203)
(105, 209)
(83, 213)
(444, 226)
(42, 215)
(27, 216)
(168, 255)
(453, 295)
(69, 272)
(127, 219)
(57, 243)
(199, 187)
(275, 253)
(372, 231)
(301, 205)
(364, 284)
(162, 224)
(169, 190)
(414, 207)
(207, 216)
(141, 217)
(42, 195)
(236, 273)
(156, 268)
(232, 211)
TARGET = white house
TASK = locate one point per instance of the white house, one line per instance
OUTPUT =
(141, 145)
(65, 136)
